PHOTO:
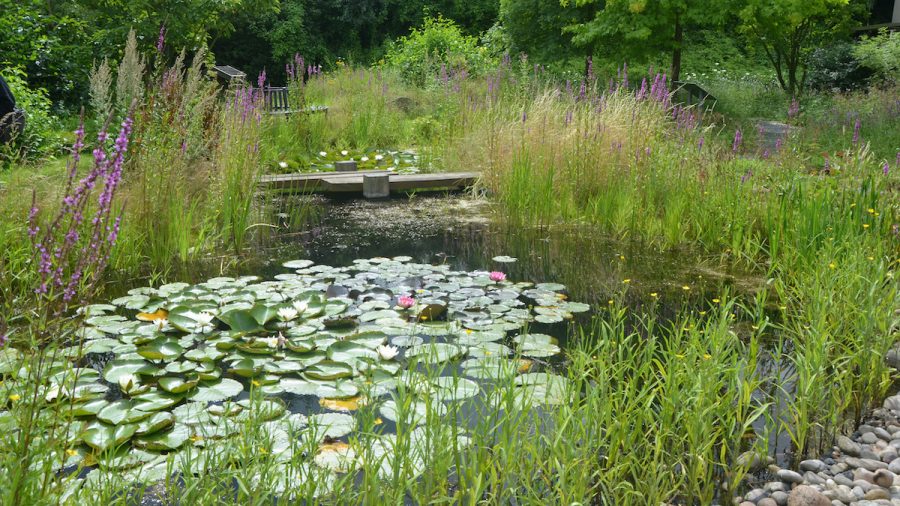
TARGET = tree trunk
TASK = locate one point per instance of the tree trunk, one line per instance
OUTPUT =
(676, 51)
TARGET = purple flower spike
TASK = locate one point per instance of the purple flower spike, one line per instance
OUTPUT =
(161, 41)
(738, 138)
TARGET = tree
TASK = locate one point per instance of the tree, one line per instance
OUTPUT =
(788, 29)
(644, 27)
(537, 27)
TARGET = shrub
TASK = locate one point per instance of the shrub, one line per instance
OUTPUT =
(439, 47)
(39, 137)
(880, 54)
(835, 68)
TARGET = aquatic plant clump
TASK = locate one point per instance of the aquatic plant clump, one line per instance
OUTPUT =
(171, 372)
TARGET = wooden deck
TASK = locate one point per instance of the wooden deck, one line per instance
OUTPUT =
(352, 182)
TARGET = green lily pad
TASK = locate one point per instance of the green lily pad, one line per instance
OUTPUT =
(215, 391)
(176, 385)
(121, 412)
(435, 352)
(328, 370)
(161, 349)
(156, 422)
(101, 436)
(163, 441)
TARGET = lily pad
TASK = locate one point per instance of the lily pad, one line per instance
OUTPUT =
(215, 391)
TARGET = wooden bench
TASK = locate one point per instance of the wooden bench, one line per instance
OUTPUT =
(695, 94)
(278, 101)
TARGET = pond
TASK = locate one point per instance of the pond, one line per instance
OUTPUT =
(321, 321)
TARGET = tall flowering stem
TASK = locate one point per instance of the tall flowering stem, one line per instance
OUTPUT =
(72, 249)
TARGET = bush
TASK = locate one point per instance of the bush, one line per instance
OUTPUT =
(439, 44)
(835, 68)
(880, 54)
(40, 135)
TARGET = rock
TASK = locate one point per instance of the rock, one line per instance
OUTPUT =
(894, 466)
(892, 357)
(813, 465)
(889, 454)
(876, 494)
(813, 478)
(780, 498)
(804, 495)
(752, 460)
(844, 494)
(850, 447)
(747, 503)
(892, 403)
(838, 468)
(864, 474)
(883, 478)
(755, 495)
(882, 434)
(870, 464)
(776, 486)
(788, 476)
(768, 501)
(869, 454)
(869, 438)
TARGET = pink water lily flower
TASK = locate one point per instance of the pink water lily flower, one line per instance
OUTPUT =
(406, 302)
(497, 276)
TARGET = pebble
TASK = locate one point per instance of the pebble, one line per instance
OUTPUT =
(876, 494)
(805, 495)
(848, 446)
(869, 438)
(883, 434)
(894, 466)
(870, 464)
(814, 465)
(892, 402)
(755, 495)
(788, 476)
(883, 478)
(780, 498)
(768, 501)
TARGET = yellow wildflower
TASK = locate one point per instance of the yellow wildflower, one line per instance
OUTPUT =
(685, 288)
(832, 265)
(70, 452)
(379, 421)
(15, 397)
(716, 301)
(654, 294)
(707, 356)
(626, 280)
(865, 225)
(255, 383)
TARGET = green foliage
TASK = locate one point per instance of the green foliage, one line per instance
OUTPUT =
(536, 27)
(788, 30)
(439, 44)
(881, 54)
(634, 28)
(835, 68)
(40, 136)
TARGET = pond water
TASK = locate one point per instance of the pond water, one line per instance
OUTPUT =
(442, 247)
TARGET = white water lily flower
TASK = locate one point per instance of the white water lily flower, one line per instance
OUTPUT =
(344, 152)
(271, 342)
(204, 321)
(163, 325)
(127, 382)
(287, 314)
(387, 352)
(379, 157)
(364, 159)
(283, 165)
(322, 153)
(300, 306)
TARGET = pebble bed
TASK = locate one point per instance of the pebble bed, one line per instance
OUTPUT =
(862, 470)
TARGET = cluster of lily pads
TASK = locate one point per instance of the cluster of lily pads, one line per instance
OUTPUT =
(179, 368)
(401, 162)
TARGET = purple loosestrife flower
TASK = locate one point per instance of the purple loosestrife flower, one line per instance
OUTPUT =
(590, 69)
(700, 144)
(738, 138)
(261, 80)
(3, 339)
(746, 176)
(161, 41)
(794, 109)
(886, 168)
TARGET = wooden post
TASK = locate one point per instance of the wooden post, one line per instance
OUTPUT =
(345, 166)
(376, 186)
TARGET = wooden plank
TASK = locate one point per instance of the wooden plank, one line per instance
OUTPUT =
(352, 182)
